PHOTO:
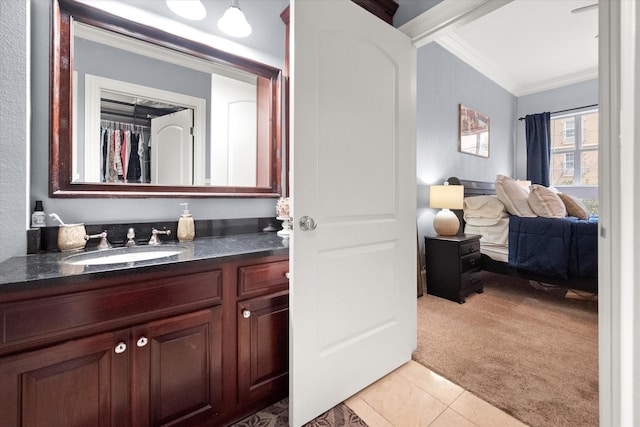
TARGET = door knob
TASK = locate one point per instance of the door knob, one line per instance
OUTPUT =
(120, 348)
(246, 313)
(142, 341)
(307, 223)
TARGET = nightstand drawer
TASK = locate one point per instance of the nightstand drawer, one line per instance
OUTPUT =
(470, 279)
(469, 262)
(469, 248)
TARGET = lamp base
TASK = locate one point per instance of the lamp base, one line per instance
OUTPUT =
(446, 223)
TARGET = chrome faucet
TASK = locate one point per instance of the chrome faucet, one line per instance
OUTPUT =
(131, 235)
(104, 243)
(155, 240)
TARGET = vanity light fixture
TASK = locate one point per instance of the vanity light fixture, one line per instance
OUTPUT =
(446, 197)
(188, 9)
(233, 21)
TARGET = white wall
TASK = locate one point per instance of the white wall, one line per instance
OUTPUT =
(14, 140)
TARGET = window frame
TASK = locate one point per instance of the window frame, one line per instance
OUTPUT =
(577, 150)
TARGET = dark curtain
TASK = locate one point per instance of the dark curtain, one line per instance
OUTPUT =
(538, 147)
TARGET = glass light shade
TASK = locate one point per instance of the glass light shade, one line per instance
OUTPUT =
(446, 196)
(188, 9)
(234, 23)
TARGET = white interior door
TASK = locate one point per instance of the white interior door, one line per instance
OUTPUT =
(172, 149)
(353, 282)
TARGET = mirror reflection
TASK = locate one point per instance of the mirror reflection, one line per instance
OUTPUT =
(153, 113)
(199, 129)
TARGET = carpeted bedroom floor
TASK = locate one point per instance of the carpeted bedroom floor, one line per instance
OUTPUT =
(531, 352)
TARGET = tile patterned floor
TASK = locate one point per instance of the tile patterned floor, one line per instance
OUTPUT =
(413, 395)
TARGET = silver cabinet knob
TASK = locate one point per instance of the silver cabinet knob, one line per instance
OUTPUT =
(121, 347)
(246, 313)
(307, 223)
(142, 341)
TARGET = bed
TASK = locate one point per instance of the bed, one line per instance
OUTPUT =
(559, 251)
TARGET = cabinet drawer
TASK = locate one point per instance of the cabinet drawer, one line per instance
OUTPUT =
(469, 248)
(75, 313)
(470, 278)
(470, 261)
(259, 278)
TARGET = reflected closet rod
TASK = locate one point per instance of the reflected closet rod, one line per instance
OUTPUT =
(568, 109)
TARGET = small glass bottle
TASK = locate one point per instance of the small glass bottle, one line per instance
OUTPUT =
(38, 217)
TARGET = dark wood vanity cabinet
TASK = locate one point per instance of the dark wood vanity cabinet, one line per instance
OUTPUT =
(148, 349)
(263, 331)
(153, 374)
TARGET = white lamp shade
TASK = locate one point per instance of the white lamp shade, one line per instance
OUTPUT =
(234, 23)
(446, 196)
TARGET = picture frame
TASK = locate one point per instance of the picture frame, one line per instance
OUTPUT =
(474, 130)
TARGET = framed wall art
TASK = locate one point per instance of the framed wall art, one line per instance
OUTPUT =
(474, 132)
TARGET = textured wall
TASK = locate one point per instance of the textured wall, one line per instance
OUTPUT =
(444, 82)
(14, 63)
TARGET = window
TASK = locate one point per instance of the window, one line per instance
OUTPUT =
(574, 149)
(568, 164)
(569, 130)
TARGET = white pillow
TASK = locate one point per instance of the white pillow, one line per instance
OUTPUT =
(483, 210)
(513, 196)
(546, 202)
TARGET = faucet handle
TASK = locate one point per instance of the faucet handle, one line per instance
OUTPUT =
(155, 240)
(104, 243)
(131, 235)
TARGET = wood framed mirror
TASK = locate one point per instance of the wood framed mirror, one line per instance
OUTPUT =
(242, 159)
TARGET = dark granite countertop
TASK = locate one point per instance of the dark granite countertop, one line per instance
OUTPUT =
(41, 269)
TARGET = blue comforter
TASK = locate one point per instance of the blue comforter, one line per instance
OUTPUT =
(560, 247)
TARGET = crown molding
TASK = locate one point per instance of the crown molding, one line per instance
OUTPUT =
(581, 76)
(445, 17)
(463, 50)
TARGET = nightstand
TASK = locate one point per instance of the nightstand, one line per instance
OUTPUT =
(453, 266)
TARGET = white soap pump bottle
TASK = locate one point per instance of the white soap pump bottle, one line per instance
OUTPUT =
(186, 227)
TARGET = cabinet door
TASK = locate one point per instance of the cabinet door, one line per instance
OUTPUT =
(78, 383)
(177, 369)
(263, 346)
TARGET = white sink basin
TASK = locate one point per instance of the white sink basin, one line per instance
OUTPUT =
(124, 255)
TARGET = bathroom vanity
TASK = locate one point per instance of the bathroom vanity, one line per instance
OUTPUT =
(199, 338)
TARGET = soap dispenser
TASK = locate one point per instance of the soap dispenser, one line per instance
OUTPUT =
(186, 227)
(38, 217)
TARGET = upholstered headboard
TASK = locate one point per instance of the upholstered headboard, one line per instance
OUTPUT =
(471, 188)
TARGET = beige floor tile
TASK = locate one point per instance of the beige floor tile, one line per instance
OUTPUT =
(366, 412)
(434, 384)
(451, 418)
(401, 402)
(482, 413)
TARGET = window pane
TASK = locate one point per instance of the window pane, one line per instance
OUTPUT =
(563, 133)
(590, 130)
(561, 174)
(589, 171)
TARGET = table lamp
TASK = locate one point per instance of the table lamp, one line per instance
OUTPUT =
(446, 197)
